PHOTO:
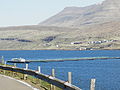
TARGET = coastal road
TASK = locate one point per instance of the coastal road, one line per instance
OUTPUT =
(7, 83)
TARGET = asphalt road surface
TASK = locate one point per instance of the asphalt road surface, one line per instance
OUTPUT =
(11, 84)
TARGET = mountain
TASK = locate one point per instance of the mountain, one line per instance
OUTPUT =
(75, 28)
(107, 11)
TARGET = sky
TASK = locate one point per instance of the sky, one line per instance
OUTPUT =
(32, 12)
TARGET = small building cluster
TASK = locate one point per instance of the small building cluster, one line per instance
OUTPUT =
(99, 42)
(93, 42)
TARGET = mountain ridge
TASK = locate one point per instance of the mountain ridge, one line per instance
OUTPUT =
(108, 10)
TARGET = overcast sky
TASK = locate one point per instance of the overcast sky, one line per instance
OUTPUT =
(29, 12)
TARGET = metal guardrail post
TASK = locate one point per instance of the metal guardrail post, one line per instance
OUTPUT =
(39, 69)
(26, 67)
(92, 86)
(53, 72)
(5, 63)
(52, 87)
(69, 77)
(2, 58)
(14, 64)
(25, 75)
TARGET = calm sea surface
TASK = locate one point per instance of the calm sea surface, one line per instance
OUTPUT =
(106, 72)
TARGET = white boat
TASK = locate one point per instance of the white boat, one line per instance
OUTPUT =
(18, 59)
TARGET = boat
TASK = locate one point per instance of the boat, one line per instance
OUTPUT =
(18, 60)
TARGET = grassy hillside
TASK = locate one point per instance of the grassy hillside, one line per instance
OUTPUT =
(101, 36)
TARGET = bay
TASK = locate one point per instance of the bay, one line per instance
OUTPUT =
(106, 72)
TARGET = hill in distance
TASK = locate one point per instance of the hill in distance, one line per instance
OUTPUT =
(76, 28)
(79, 16)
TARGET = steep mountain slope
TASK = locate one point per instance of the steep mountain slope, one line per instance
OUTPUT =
(79, 16)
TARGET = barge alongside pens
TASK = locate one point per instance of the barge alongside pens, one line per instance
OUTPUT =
(18, 60)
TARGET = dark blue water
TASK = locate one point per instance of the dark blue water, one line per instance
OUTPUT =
(106, 72)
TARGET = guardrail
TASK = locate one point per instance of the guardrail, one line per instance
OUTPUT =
(50, 79)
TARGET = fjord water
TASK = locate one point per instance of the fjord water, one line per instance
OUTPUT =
(106, 72)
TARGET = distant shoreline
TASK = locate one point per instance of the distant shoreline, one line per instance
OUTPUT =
(53, 49)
